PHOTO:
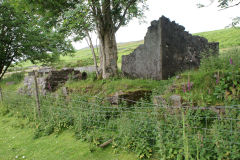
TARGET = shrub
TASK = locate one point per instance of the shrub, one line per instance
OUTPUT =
(228, 87)
(137, 134)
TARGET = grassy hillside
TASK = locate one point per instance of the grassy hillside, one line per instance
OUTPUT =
(226, 37)
(83, 57)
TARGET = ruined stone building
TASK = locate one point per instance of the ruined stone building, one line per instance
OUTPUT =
(167, 50)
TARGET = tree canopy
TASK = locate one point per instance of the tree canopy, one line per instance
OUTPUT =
(76, 17)
(22, 37)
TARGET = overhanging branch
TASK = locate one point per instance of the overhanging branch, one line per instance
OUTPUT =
(234, 5)
(124, 15)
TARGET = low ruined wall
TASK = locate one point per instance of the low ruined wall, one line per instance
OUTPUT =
(50, 80)
(167, 49)
(58, 78)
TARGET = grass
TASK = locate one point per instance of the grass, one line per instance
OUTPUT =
(111, 86)
(12, 82)
(227, 38)
(17, 141)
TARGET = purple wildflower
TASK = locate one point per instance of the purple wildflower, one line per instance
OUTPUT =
(231, 61)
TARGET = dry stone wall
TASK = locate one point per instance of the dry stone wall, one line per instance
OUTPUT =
(49, 80)
(167, 49)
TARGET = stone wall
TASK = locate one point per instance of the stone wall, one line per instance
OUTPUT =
(167, 49)
(49, 80)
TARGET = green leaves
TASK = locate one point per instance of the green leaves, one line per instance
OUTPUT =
(75, 17)
(228, 88)
(24, 37)
(228, 3)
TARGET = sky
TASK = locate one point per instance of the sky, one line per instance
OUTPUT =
(183, 12)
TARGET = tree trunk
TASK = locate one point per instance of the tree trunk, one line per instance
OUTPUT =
(108, 54)
(90, 44)
(106, 33)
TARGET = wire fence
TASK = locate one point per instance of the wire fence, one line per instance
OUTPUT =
(150, 130)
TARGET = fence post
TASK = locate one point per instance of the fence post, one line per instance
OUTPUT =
(37, 95)
(1, 95)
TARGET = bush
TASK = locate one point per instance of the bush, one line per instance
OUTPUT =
(215, 83)
(137, 133)
(199, 134)
(228, 87)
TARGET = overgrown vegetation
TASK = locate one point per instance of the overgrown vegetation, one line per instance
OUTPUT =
(150, 131)
(103, 88)
(144, 129)
(215, 83)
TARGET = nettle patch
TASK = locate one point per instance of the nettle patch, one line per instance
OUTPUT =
(228, 86)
